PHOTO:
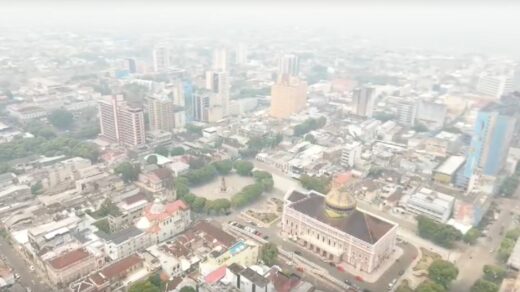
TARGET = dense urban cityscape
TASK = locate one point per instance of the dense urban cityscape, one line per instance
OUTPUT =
(256, 160)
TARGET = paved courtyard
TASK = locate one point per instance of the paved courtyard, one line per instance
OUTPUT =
(211, 190)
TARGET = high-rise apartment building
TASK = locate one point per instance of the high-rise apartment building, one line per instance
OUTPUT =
(241, 54)
(289, 66)
(363, 101)
(161, 58)
(220, 59)
(121, 123)
(494, 86)
(490, 141)
(407, 112)
(161, 111)
(206, 107)
(218, 82)
(288, 96)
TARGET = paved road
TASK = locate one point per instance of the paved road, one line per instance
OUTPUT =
(28, 278)
(472, 261)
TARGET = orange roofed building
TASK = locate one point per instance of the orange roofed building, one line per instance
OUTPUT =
(163, 221)
(72, 265)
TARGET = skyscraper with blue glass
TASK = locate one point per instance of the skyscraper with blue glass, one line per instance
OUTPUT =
(492, 135)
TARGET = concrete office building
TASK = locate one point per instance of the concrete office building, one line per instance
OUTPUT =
(161, 58)
(161, 112)
(220, 59)
(121, 123)
(490, 142)
(432, 204)
(241, 57)
(289, 66)
(363, 101)
(350, 154)
(431, 114)
(407, 112)
(289, 96)
(494, 86)
(218, 82)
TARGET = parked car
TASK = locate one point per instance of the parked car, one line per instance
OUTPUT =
(298, 252)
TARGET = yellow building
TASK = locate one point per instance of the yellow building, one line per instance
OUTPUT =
(289, 96)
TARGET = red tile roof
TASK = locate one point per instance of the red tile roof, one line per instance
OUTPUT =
(120, 268)
(215, 276)
(69, 258)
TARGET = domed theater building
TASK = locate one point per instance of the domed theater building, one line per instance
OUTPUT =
(333, 227)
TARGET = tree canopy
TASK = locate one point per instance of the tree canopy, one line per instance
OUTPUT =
(176, 151)
(223, 167)
(128, 171)
(269, 254)
(243, 167)
(429, 286)
(188, 289)
(61, 119)
(442, 234)
(19, 148)
(201, 175)
(484, 286)
(161, 150)
(471, 236)
(494, 273)
(509, 186)
(309, 125)
(442, 272)
(152, 159)
(317, 183)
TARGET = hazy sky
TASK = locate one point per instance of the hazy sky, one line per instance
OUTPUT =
(476, 25)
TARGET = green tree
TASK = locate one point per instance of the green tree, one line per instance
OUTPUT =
(161, 150)
(513, 234)
(509, 186)
(317, 183)
(484, 286)
(152, 159)
(191, 128)
(61, 119)
(188, 289)
(198, 204)
(310, 138)
(247, 195)
(145, 286)
(420, 128)
(128, 171)
(471, 236)
(265, 179)
(494, 273)
(103, 225)
(442, 234)
(505, 249)
(224, 166)
(176, 151)
(196, 163)
(269, 253)
(442, 272)
(429, 286)
(37, 188)
(243, 167)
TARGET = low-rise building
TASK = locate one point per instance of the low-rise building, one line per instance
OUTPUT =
(446, 172)
(432, 204)
(125, 242)
(71, 266)
(113, 276)
(163, 221)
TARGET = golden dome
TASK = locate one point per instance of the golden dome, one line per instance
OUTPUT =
(339, 203)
